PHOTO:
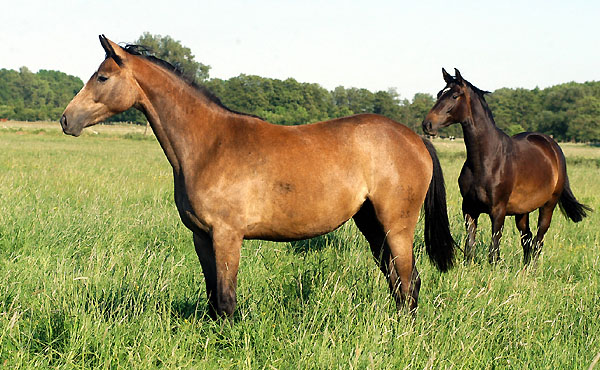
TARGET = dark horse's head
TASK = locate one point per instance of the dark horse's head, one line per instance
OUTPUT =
(452, 104)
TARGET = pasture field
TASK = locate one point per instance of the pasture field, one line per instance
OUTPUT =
(97, 271)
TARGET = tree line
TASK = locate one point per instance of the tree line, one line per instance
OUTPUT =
(568, 112)
(29, 96)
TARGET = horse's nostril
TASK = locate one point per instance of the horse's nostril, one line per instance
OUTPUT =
(63, 122)
(427, 125)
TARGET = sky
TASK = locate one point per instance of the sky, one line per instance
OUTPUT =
(369, 44)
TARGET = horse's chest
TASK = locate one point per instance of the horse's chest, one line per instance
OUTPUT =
(478, 195)
(186, 212)
(473, 190)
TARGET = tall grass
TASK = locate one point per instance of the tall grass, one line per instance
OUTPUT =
(96, 271)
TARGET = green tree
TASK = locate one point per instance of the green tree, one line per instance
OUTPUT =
(553, 124)
(172, 51)
(341, 104)
(287, 102)
(418, 109)
(387, 103)
(584, 122)
(29, 96)
(515, 110)
(360, 100)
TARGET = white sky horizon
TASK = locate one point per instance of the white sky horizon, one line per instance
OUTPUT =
(375, 45)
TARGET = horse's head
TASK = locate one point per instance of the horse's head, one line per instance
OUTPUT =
(111, 90)
(451, 105)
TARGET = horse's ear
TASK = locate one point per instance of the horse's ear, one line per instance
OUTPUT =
(106, 46)
(458, 76)
(449, 79)
(112, 50)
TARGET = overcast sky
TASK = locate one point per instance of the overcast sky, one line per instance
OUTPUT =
(367, 44)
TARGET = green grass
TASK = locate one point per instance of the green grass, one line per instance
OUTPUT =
(97, 271)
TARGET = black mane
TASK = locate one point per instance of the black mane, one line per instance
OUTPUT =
(146, 53)
(481, 94)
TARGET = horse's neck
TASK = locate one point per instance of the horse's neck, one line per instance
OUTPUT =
(483, 139)
(183, 121)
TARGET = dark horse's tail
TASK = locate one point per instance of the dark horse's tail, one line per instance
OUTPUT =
(438, 240)
(569, 206)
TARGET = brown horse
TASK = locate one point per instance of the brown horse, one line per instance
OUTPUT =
(503, 175)
(238, 177)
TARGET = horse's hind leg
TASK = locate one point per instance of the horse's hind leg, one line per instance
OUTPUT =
(522, 222)
(367, 222)
(399, 221)
(544, 219)
(408, 282)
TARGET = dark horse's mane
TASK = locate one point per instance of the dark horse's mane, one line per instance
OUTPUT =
(481, 94)
(146, 53)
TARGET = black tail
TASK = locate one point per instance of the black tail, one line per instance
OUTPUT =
(570, 207)
(438, 240)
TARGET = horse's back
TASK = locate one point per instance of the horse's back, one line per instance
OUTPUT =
(365, 142)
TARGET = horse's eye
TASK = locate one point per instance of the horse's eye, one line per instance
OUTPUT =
(455, 96)
(102, 78)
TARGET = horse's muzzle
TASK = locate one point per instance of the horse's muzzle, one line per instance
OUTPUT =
(428, 128)
(72, 130)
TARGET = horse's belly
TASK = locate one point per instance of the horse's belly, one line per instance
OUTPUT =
(303, 214)
(525, 200)
(532, 188)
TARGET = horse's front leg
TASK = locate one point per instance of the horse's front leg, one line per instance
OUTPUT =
(471, 218)
(206, 255)
(497, 217)
(227, 245)
(219, 255)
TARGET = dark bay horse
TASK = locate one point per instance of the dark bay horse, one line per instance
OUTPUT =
(503, 175)
(238, 177)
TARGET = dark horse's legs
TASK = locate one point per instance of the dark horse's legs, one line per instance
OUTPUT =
(544, 219)
(471, 226)
(522, 222)
(367, 223)
(497, 217)
(220, 258)
(533, 248)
